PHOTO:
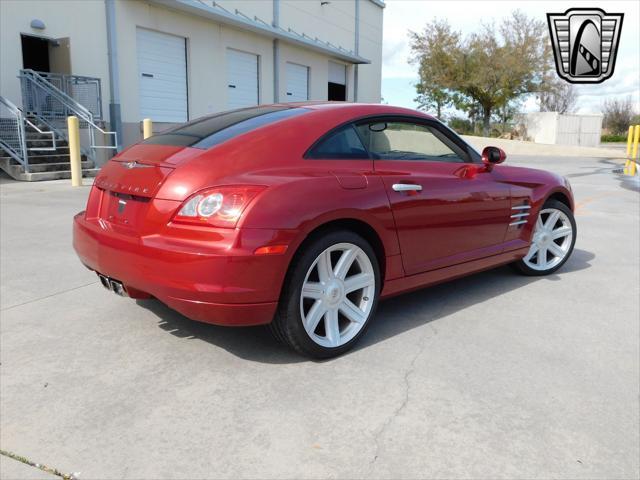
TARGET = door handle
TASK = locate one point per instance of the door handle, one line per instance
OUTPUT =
(407, 187)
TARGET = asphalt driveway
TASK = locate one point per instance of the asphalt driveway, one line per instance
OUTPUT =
(491, 376)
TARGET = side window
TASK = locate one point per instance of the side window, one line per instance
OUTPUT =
(409, 141)
(342, 143)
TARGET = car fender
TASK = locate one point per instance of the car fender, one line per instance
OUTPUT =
(311, 200)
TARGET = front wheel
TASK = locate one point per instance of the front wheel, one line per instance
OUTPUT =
(553, 239)
(329, 296)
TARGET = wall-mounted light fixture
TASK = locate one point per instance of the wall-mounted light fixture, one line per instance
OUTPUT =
(38, 24)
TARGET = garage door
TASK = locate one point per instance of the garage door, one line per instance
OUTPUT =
(162, 71)
(242, 79)
(297, 83)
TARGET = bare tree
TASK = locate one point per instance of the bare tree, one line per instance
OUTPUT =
(618, 115)
(558, 97)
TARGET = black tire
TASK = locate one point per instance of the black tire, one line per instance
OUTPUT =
(287, 326)
(521, 266)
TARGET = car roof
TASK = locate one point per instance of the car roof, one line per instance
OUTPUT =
(357, 108)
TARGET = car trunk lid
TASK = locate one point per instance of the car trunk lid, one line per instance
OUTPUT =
(130, 180)
(141, 169)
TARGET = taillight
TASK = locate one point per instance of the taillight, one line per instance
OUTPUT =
(217, 207)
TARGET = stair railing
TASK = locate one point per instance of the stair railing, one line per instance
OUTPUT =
(13, 133)
(52, 106)
(13, 139)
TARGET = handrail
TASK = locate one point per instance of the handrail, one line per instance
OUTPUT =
(68, 83)
(10, 105)
(65, 99)
(43, 132)
(68, 106)
(20, 155)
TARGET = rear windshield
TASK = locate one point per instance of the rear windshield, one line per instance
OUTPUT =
(212, 130)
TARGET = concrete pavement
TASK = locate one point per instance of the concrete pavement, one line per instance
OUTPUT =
(491, 376)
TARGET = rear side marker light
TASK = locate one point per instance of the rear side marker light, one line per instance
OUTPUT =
(271, 250)
(217, 207)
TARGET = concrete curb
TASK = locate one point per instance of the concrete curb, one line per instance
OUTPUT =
(518, 147)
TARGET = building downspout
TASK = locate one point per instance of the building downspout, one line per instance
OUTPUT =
(356, 48)
(276, 53)
(115, 116)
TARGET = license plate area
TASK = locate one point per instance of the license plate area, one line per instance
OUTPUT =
(124, 209)
(113, 285)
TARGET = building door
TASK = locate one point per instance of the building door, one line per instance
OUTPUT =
(337, 82)
(60, 56)
(242, 79)
(297, 83)
(35, 53)
(162, 76)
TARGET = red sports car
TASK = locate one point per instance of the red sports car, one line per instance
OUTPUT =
(303, 216)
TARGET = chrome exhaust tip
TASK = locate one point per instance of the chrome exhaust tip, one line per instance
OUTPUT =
(104, 281)
(118, 288)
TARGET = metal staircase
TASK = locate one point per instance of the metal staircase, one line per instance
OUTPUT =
(33, 140)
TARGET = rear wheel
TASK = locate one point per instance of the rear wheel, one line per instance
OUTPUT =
(554, 236)
(329, 296)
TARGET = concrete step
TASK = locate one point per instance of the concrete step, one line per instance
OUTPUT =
(59, 142)
(38, 136)
(39, 172)
(59, 175)
(50, 158)
(37, 159)
(43, 150)
(54, 167)
(34, 150)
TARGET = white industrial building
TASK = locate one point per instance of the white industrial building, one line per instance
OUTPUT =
(174, 60)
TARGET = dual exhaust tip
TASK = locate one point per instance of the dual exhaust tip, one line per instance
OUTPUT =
(112, 285)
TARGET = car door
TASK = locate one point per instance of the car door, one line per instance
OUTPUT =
(443, 216)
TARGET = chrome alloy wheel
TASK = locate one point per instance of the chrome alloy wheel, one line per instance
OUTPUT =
(337, 295)
(552, 238)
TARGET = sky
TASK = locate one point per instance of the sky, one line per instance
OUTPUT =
(399, 76)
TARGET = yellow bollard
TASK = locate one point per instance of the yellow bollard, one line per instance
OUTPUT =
(634, 152)
(147, 128)
(74, 151)
(629, 143)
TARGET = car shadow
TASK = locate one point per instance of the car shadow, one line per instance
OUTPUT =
(394, 316)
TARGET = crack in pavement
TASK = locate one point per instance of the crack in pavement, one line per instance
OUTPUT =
(407, 386)
(40, 466)
(48, 296)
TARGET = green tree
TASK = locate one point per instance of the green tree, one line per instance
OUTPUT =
(433, 62)
(432, 98)
(489, 68)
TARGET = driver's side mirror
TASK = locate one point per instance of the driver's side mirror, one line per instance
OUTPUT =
(492, 156)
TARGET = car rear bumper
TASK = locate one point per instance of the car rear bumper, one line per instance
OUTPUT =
(222, 283)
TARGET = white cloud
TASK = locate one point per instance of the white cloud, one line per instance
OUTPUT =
(400, 16)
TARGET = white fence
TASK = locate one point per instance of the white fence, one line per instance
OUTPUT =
(564, 129)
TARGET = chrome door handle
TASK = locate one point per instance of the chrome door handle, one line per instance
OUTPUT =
(406, 187)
